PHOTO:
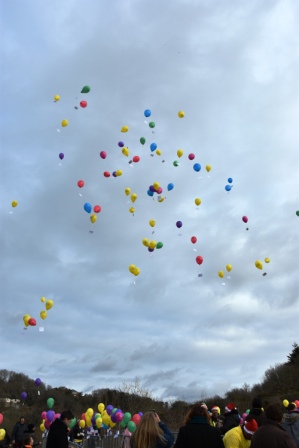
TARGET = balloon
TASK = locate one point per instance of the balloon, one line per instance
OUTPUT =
(109, 408)
(125, 151)
(106, 174)
(158, 152)
(197, 201)
(175, 163)
(170, 187)
(229, 180)
(228, 187)
(156, 186)
(142, 140)
(42, 427)
(127, 417)
(49, 304)
(181, 114)
(133, 197)
(153, 146)
(147, 113)
(244, 219)
(153, 244)
(2, 433)
(80, 183)
(285, 403)
(208, 168)
(72, 422)
(64, 123)
(103, 154)
(199, 259)
(61, 156)
(150, 193)
(82, 424)
(258, 264)
(132, 210)
(101, 407)
(89, 412)
(38, 382)
(32, 322)
(152, 222)
(221, 274)
(124, 129)
(85, 89)
(297, 212)
(193, 239)
(160, 198)
(26, 320)
(14, 203)
(121, 144)
(127, 191)
(83, 104)
(179, 224)
(118, 416)
(196, 167)
(23, 395)
(228, 267)
(267, 260)
(131, 426)
(152, 124)
(99, 422)
(180, 152)
(136, 159)
(136, 418)
(1, 418)
(43, 314)
(87, 207)
(159, 245)
(191, 156)
(93, 218)
(160, 189)
(50, 415)
(43, 299)
(56, 98)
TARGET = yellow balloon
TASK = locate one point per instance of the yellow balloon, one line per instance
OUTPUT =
(127, 191)
(125, 151)
(106, 419)
(267, 260)
(42, 427)
(152, 222)
(89, 412)
(153, 244)
(87, 421)
(158, 152)
(43, 299)
(258, 264)
(197, 201)
(133, 197)
(181, 114)
(112, 424)
(2, 433)
(132, 210)
(101, 407)
(156, 185)
(228, 267)
(43, 314)
(161, 198)
(285, 403)
(82, 423)
(124, 129)
(56, 97)
(64, 123)
(221, 274)
(26, 320)
(99, 422)
(14, 203)
(49, 304)
(118, 172)
(145, 242)
(93, 218)
(136, 271)
(208, 168)
(180, 152)
(132, 267)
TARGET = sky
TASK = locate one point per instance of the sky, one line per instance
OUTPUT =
(232, 68)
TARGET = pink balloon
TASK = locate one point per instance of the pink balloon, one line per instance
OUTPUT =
(103, 154)
(191, 156)
(160, 189)
(1, 418)
(244, 219)
(44, 415)
(56, 416)
(119, 416)
(297, 403)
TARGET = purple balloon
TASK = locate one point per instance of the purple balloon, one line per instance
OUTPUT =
(150, 250)
(93, 420)
(61, 156)
(109, 409)
(38, 381)
(179, 224)
(114, 174)
(50, 415)
(113, 418)
(152, 188)
(23, 395)
(140, 413)
(121, 144)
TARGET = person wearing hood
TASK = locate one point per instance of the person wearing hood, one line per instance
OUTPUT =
(290, 422)
(231, 418)
(257, 411)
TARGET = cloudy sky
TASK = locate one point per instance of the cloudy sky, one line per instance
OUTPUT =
(232, 67)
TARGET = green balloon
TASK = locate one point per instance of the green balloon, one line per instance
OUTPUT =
(123, 424)
(159, 245)
(127, 417)
(152, 124)
(50, 402)
(85, 89)
(175, 163)
(72, 422)
(142, 140)
(297, 212)
(131, 426)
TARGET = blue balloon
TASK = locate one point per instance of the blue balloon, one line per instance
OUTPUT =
(147, 113)
(170, 187)
(229, 180)
(228, 187)
(87, 207)
(150, 193)
(196, 167)
(153, 146)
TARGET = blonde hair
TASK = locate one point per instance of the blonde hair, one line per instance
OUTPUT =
(148, 432)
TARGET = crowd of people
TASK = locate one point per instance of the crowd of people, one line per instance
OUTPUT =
(258, 428)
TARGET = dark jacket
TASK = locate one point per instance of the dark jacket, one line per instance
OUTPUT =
(257, 414)
(231, 420)
(18, 432)
(58, 435)
(271, 435)
(198, 433)
(291, 425)
(167, 434)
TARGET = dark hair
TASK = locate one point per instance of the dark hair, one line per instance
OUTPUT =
(291, 407)
(26, 440)
(257, 403)
(67, 415)
(196, 410)
(273, 412)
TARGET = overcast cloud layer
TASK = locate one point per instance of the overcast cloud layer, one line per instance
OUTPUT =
(232, 67)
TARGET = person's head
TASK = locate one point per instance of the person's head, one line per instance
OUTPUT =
(273, 412)
(249, 428)
(67, 417)
(292, 407)
(22, 420)
(257, 403)
(197, 410)
(215, 411)
(147, 431)
(28, 440)
(229, 408)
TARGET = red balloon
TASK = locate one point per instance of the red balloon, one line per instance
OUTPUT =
(106, 174)
(83, 103)
(136, 418)
(103, 154)
(191, 156)
(32, 322)
(80, 183)
(97, 209)
(193, 239)
(136, 159)
(245, 219)
(199, 259)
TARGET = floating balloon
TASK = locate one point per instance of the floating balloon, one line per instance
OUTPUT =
(43, 299)
(267, 260)
(158, 152)
(64, 123)
(229, 180)
(133, 197)
(26, 320)
(106, 174)
(160, 189)
(153, 244)
(142, 140)
(244, 219)
(97, 209)
(50, 415)
(14, 203)
(153, 146)
(193, 239)
(83, 104)
(179, 224)
(181, 114)
(228, 267)
(175, 163)
(161, 198)
(136, 159)
(80, 183)
(131, 426)
(152, 222)
(136, 418)
(101, 407)
(170, 187)
(61, 156)
(159, 245)
(125, 151)
(180, 152)
(152, 124)
(43, 314)
(49, 304)
(145, 242)
(197, 201)
(228, 187)
(150, 193)
(32, 322)
(221, 274)
(285, 403)
(23, 395)
(191, 156)
(85, 89)
(156, 186)
(132, 210)
(93, 218)
(199, 259)
(121, 144)
(258, 264)
(135, 271)
(56, 98)
(127, 191)
(103, 154)
(124, 129)
(2, 431)
(196, 167)
(87, 207)
(297, 212)
(208, 168)
(147, 113)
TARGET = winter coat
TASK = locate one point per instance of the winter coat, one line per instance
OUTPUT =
(291, 425)
(234, 438)
(58, 435)
(18, 432)
(257, 414)
(271, 435)
(231, 420)
(198, 433)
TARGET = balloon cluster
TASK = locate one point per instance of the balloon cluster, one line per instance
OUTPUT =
(228, 268)
(229, 186)
(28, 320)
(259, 265)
